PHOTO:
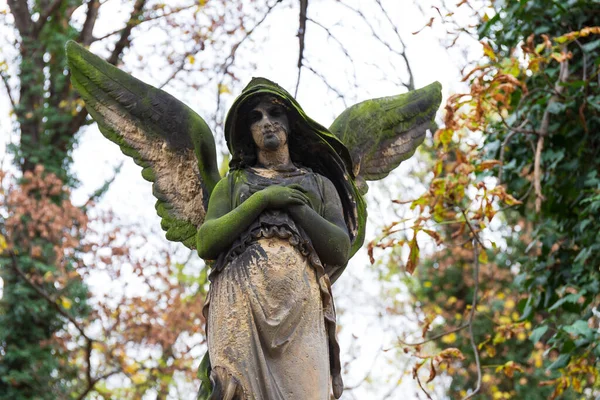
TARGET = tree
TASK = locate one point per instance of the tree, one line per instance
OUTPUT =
(518, 148)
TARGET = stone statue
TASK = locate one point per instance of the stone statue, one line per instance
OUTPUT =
(277, 231)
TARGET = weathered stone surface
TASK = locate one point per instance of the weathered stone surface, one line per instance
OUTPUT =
(278, 229)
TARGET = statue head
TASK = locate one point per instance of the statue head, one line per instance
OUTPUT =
(310, 144)
(267, 122)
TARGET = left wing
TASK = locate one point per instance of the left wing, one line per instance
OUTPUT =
(381, 133)
(172, 143)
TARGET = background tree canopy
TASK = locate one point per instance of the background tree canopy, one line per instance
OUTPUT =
(502, 238)
(513, 285)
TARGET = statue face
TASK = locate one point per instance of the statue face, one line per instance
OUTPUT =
(269, 125)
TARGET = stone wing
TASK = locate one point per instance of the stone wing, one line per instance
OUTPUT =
(172, 143)
(381, 133)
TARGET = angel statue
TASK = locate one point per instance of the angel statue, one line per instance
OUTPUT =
(277, 230)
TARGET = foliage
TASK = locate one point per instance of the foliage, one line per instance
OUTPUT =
(49, 249)
(514, 200)
(41, 236)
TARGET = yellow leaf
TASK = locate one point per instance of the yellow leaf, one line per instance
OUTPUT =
(540, 47)
(451, 338)
(191, 59)
(483, 257)
(224, 89)
(3, 244)
(48, 276)
(509, 304)
(66, 303)
(488, 51)
(138, 378)
(131, 368)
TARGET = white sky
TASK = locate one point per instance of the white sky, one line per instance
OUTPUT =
(275, 56)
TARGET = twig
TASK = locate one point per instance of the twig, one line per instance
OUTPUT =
(46, 296)
(410, 85)
(396, 386)
(421, 386)
(583, 52)
(475, 235)
(502, 149)
(543, 132)
(301, 35)
(231, 57)
(472, 315)
(10, 97)
(340, 44)
(435, 337)
(102, 189)
(352, 387)
(505, 142)
(91, 386)
(145, 19)
(336, 91)
(181, 65)
(411, 80)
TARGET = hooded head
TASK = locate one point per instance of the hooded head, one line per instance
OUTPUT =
(310, 145)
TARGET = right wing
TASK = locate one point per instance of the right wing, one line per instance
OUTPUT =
(172, 143)
(381, 133)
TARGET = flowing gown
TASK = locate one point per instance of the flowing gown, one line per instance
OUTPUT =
(271, 318)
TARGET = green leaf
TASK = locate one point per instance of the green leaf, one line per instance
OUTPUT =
(560, 362)
(537, 333)
(579, 328)
(571, 298)
(591, 46)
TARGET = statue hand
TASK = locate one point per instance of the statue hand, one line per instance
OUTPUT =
(281, 196)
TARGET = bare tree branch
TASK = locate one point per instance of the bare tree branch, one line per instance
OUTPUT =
(411, 81)
(421, 386)
(44, 16)
(336, 91)
(86, 36)
(124, 40)
(7, 86)
(231, 57)
(340, 44)
(94, 381)
(301, 37)
(144, 19)
(410, 84)
(20, 11)
(435, 337)
(102, 189)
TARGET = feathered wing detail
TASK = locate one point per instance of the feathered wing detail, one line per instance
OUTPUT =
(172, 143)
(381, 133)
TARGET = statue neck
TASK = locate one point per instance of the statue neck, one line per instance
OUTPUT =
(277, 159)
